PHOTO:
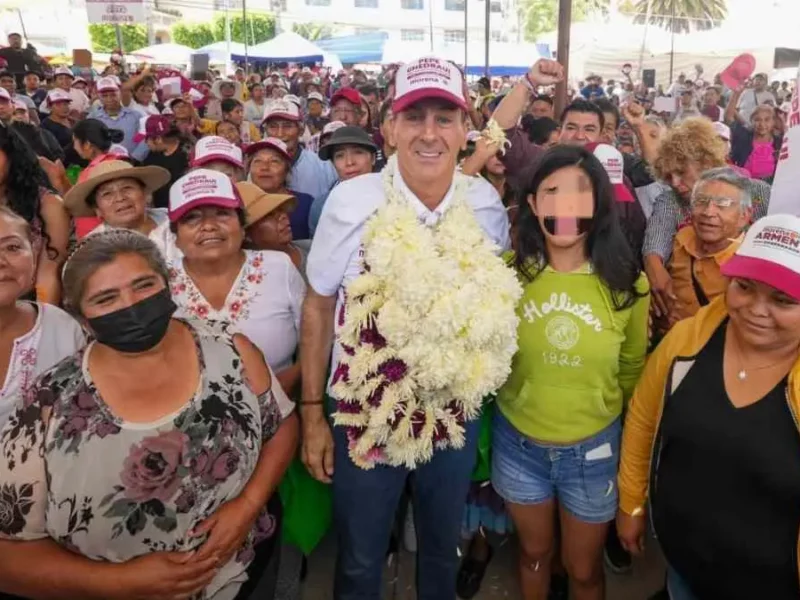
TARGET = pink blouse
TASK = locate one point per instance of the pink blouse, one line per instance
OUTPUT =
(761, 162)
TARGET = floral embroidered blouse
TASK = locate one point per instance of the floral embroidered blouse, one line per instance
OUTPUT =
(264, 303)
(111, 490)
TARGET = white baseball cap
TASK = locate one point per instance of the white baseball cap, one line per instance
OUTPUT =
(722, 130)
(4, 95)
(316, 96)
(770, 253)
(107, 84)
(293, 99)
(57, 95)
(63, 71)
(282, 109)
(270, 142)
(214, 147)
(19, 105)
(332, 126)
(428, 77)
(613, 163)
(119, 150)
(202, 187)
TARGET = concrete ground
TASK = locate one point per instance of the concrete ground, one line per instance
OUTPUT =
(500, 582)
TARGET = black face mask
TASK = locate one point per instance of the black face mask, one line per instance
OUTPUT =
(138, 327)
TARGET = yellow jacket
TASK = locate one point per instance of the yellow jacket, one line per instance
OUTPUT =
(665, 369)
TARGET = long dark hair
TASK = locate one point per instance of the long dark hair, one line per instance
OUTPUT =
(97, 134)
(25, 182)
(606, 245)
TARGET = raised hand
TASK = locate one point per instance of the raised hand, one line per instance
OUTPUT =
(546, 72)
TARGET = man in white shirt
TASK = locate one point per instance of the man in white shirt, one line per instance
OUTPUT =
(80, 104)
(428, 128)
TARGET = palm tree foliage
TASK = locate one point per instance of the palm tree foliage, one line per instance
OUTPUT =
(682, 16)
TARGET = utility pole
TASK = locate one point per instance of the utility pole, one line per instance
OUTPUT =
(466, 34)
(564, 22)
(228, 34)
(488, 36)
(244, 29)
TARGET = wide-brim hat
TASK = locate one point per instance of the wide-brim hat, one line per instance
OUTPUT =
(258, 203)
(220, 82)
(152, 178)
(347, 136)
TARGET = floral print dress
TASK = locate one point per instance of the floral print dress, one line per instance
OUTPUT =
(111, 490)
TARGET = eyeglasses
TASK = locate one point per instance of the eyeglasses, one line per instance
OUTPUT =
(702, 201)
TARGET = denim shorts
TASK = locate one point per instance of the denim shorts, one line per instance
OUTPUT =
(582, 476)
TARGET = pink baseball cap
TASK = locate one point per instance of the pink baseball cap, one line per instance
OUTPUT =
(349, 94)
(428, 77)
(202, 187)
(107, 84)
(282, 109)
(4, 95)
(612, 162)
(19, 105)
(273, 144)
(770, 253)
(214, 147)
(57, 95)
(151, 126)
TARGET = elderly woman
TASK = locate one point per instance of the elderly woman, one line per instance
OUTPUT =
(352, 152)
(118, 195)
(685, 152)
(24, 189)
(258, 293)
(124, 477)
(711, 436)
(267, 224)
(37, 335)
(269, 166)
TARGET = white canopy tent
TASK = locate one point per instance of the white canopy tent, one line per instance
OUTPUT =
(164, 54)
(218, 51)
(285, 47)
(502, 56)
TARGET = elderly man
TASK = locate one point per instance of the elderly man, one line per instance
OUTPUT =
(310, 175)
(381, 237)
(720, 210)
(346, 106)
(115, 116)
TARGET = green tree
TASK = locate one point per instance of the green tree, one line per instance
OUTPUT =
(313, 31)
(540, 16)
(260, 28)
(193, 35)
(682, 16)
(104, 37)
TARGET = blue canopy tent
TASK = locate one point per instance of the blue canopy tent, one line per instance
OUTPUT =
(506, 60)
(352, 49)
(285, 47)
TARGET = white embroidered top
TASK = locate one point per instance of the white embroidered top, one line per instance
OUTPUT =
(54, 336)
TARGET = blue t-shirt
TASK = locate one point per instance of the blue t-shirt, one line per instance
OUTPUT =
(299, 216)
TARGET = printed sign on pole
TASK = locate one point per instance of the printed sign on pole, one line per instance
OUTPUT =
(116, 12)
(785, 197)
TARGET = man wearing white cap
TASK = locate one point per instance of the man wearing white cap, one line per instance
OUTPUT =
(115, 116)
(6, 106)
(384, 272)
(310, 175)
(58, 122)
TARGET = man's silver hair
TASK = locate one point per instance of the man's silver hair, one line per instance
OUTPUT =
(731, 177)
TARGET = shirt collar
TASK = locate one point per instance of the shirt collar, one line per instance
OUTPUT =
(425, 215)
(687, 238)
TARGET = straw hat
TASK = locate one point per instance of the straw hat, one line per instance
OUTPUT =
(152, 178)
(258, 204)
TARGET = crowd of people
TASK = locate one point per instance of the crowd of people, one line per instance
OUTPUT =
(459, 314)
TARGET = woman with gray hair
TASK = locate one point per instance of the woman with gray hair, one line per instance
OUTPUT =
(124, 477)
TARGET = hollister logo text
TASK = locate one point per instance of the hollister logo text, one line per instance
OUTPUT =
(561, 303)
(779, 238)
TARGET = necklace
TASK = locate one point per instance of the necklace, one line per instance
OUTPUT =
(742, 373)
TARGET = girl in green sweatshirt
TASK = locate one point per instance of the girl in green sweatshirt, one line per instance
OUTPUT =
(582, 344)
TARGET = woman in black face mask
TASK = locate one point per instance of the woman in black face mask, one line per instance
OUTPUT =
(142, 466)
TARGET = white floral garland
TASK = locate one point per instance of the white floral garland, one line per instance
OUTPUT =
(428, 330)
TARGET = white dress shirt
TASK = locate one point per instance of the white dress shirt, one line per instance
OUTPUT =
(335, 257)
